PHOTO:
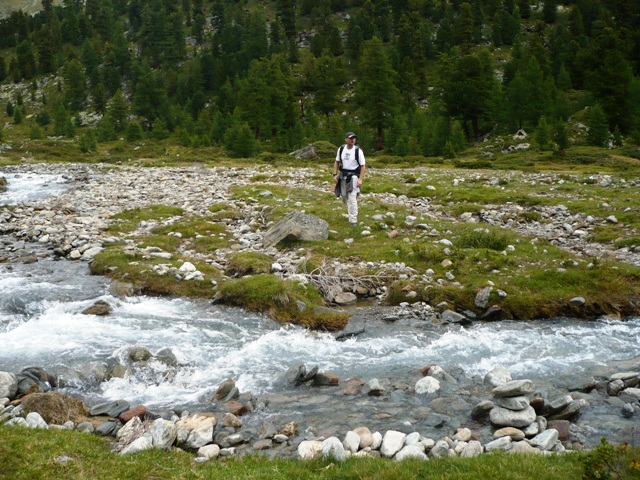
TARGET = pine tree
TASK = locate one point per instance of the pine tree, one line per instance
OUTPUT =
(134, 132)
(617, 137)
(560, 136)
(119, 111)
(596, 120)
(75, 85)
(375, 90)
(543, 134)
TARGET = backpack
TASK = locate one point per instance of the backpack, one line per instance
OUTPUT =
(357, 155)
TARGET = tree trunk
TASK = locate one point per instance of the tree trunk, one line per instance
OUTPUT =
(380, 144)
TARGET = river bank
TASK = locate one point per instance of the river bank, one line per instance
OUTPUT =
(76, 225)
(471, 260)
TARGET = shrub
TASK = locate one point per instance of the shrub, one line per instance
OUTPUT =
(483, 238)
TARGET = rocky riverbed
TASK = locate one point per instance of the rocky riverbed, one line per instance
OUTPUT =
(430, 412)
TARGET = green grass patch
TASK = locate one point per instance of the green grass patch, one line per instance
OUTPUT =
(128, 220)
(248, 263)
(116, 263)
(282, 300)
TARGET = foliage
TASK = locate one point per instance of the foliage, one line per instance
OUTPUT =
(245, 263)
(609, 462)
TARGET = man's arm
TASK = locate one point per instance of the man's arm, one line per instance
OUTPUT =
(361, 177)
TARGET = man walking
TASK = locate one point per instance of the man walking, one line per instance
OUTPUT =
(349, 169)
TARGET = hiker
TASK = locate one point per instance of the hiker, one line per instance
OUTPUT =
(348, 173)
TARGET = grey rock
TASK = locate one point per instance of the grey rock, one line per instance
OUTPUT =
(498, 376)
(299, 226)
(577, 301)
(514, 388)
(111, 409)
(472, 449)
(439, 450)
(138, 445)
(482, 409)
(35, 420)
(449, 316)
(105, 428)
(482, 297)
(508, 418)
(224, 389)
(545, 440)
(163, 433)
(87, 427)
(502, 443)
(514, 403)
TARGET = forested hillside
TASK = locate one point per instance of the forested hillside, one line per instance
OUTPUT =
(417, 77)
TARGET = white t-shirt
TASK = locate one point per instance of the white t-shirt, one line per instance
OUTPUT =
(349, 161)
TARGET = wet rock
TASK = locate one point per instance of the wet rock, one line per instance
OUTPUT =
(138, 354)
(166, 356)
(100, 308)
(224, 389)
(582, 385)
(327, 379)
(449, 316)
(111, 409)
(373, 388)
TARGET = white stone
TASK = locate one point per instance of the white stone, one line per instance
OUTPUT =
(410, 451)
(351, 441)
(163, 433)
(138, 445)
(210, 452)
(310, 449)
(332, 447)
(35, 420)
(187, 267)
(392, 443)
(427, 385)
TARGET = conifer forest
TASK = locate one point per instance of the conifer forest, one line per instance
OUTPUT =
(415, 77)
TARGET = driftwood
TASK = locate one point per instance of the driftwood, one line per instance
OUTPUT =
(328, 283)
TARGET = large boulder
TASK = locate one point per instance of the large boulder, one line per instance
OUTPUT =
(298, 226)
